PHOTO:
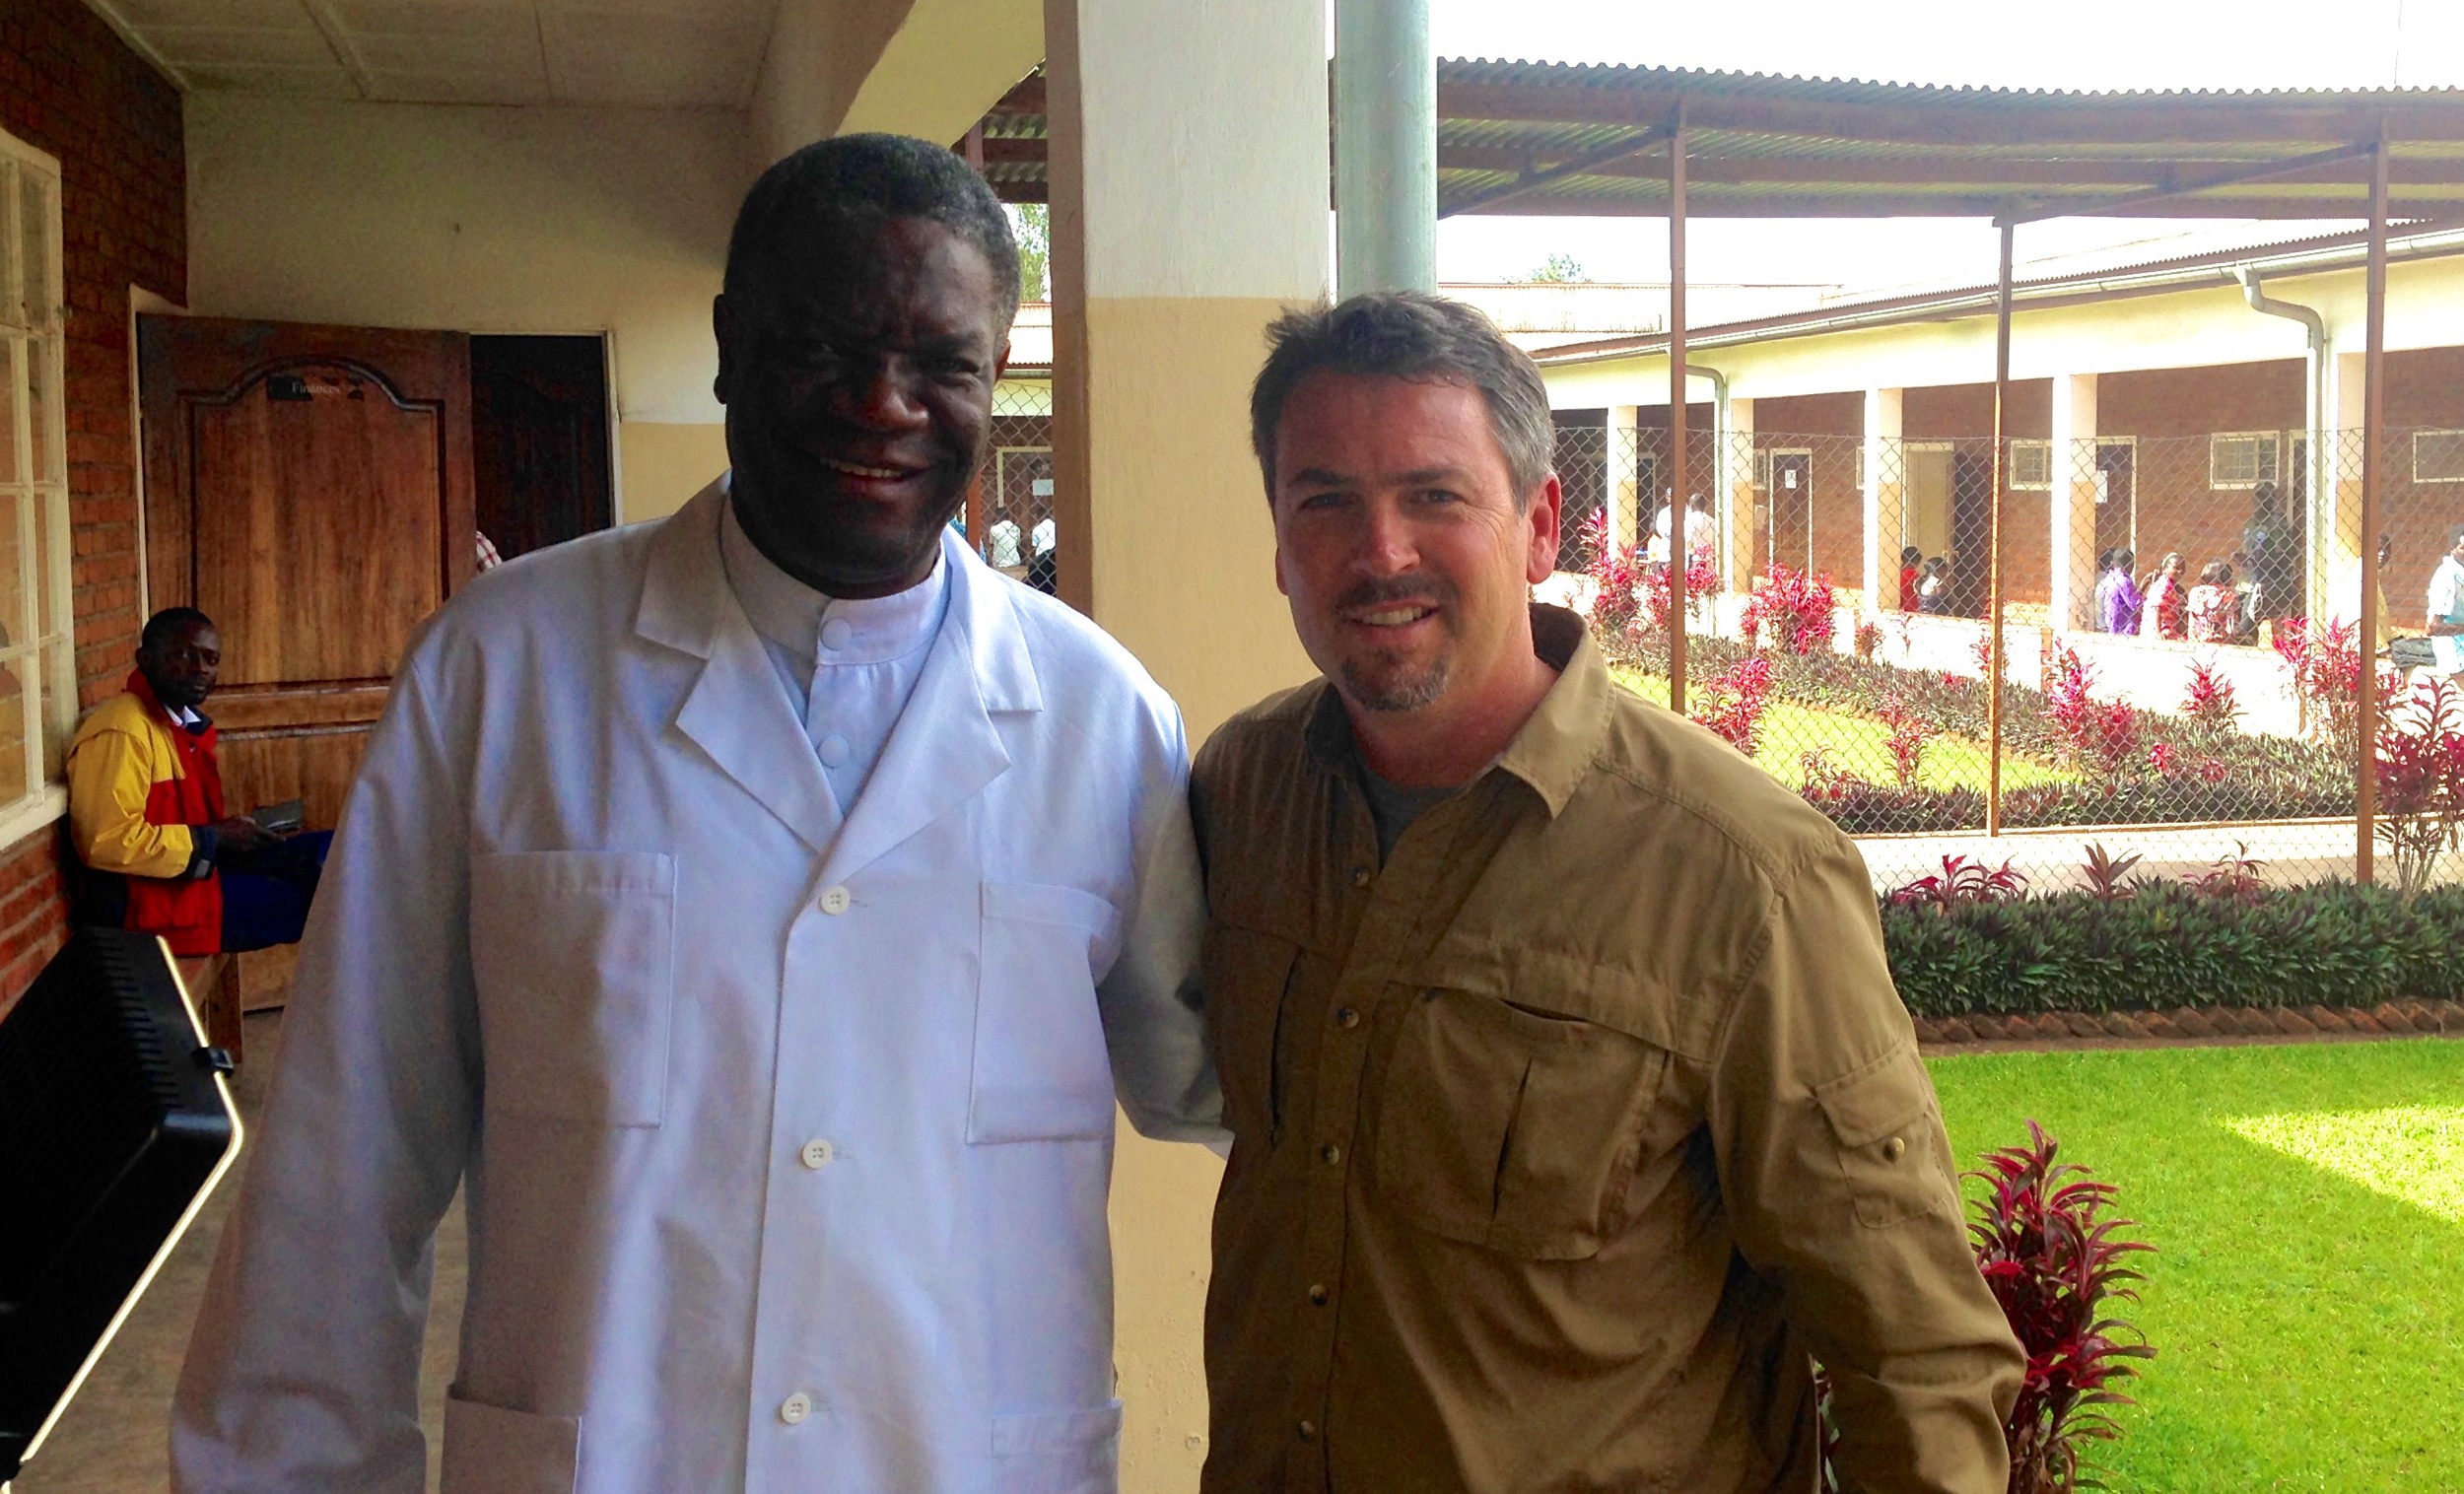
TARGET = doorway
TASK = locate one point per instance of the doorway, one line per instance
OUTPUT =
(2118, 494)
(1790, 534)
(538, 440)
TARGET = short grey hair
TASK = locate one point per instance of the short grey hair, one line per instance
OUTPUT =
(1415, 336)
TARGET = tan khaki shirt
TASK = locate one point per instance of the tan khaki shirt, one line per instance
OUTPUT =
(1563, 1139)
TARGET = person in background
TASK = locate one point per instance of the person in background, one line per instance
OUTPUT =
(1911, 569)
(2117, 594)
(1933, 591)
(160, 851)
(1001, 547)
(2271, 555)
(2163, 610)
(2445, 620)
(2211, 610)
(1656, 548)
(1044, 571)
(1700, 530)
(2250, 597)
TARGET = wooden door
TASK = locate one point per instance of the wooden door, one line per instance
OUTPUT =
(310, 489)
(539, 455)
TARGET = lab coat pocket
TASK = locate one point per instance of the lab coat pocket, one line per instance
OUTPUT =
(1892, 1153)
(1041, 1071)
(489, 1450)
(572, 952)
(1058, 1451)
(1512, 1127)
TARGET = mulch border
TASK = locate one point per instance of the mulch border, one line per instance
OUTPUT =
(2187, 1026)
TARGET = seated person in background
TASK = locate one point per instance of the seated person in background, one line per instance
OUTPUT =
(2117, 595)
(1932, 593)
(145, 807)
(2214, 608)
(1911, 569)
(2163, 610)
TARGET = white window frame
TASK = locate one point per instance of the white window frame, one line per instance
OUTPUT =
(2042, 450)
(44, 663)
(2267, 460)
(2455, 438)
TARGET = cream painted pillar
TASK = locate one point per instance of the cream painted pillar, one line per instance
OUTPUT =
(1738, 498)
(1886, 487)
(2072, 462)
(2341, 579)
(1176, 238)
(1625, 495)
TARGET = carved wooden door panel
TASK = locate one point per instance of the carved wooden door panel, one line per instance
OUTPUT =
(310, 489)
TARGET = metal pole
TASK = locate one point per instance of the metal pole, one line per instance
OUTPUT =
(2373, 396)
(1679, 551)
(1994, 666)
(1385, 146)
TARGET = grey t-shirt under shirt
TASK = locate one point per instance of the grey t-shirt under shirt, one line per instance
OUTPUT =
(1393, 807)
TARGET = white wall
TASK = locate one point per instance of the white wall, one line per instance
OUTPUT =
(485, 220)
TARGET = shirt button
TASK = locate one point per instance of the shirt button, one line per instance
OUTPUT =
(818, 1153)
(1331, 1152)
(833, 749)
(1319, 1296)
(1360, 876)
(833, 632)
(835, 900)
(1347, 1019)
(1895, 1149)
(795, 1408)
(1308, 1431)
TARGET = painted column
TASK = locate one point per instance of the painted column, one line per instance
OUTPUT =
(1885, 486)
(1176, 239)
(1385, 146)
(1740, 505)
(2339, 579)
(2070, 460)
(1626, 494)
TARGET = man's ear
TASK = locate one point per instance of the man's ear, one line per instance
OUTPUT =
(1547, 515)
(723, 323)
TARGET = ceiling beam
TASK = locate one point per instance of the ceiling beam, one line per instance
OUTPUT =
(2115, 175)
(1532, 177)
(1636, 203)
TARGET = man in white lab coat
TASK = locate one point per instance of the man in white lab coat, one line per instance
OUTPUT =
(758, 912)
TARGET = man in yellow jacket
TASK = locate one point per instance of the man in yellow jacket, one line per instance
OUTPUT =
(145, 805)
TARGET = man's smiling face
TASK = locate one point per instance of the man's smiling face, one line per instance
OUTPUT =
(858, 376)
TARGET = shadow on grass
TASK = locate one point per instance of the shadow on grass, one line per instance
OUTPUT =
(2310, 1331)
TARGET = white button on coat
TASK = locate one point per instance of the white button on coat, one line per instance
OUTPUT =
(795, 1408)
(833, 749)
(818, 1153)
(837, 900)
(834, 631)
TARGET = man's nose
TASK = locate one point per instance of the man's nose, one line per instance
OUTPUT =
(886, 399)
(1384, 545)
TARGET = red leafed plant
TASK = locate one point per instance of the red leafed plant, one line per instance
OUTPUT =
(2325, 661)
(1982, 650)
(1794, 608)
(2236, 878)
(1868, 639)
(2421, 781)
(2055, 1263)
(1701, 579)
(2101, 735)
(2208, 702)
(1906, 742)
(1960, 882)
(1733, 701)
(1614, 577)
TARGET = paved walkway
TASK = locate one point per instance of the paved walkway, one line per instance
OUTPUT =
(2293, 854)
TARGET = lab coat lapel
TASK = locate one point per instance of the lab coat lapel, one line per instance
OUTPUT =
(736, 711)
(945, 747)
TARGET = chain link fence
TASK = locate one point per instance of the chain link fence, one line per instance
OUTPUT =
(2179, 627)
(1010, 509)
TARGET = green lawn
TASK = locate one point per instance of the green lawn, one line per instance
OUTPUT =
(2308, 1297)
(1857, 744)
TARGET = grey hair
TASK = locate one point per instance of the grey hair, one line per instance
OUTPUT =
(1414, 336)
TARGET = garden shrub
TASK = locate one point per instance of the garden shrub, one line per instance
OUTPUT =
(2421, 781)
(1793, 608)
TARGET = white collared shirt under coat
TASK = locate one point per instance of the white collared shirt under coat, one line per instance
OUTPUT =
(787, 1141)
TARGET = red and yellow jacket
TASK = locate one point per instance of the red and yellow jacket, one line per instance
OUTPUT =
(138, 786)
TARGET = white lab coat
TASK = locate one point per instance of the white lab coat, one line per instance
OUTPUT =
(787, 1144)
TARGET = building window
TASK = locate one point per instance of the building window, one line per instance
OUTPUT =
(2438, 456)
(2031, 465)
(2241, 459)
(38, 664)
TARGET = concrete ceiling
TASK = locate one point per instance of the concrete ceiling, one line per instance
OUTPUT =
(664, 53)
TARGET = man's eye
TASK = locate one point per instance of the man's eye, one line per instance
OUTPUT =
(1321, 499)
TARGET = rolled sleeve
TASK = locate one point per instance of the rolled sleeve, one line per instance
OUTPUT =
(1841, 1186)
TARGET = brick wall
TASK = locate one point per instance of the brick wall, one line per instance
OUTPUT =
(70, 87)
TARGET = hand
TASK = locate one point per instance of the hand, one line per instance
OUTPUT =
(241, 834)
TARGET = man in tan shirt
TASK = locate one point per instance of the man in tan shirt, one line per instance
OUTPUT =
(1574, 1113)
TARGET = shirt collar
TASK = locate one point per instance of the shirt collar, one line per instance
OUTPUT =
(1555, 747)
(801, 620)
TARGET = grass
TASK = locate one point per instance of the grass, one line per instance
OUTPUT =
(2306, 1299)
(1857, 744)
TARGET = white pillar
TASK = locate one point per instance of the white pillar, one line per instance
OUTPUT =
(1738, 498)
(1884, 486)
(2072, 468)
(1176, 236)
(2337, 583)
(1626, 498)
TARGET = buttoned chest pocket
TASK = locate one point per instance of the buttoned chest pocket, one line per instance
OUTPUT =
(1511, 1128)
(573, 953)
(1041, 1070)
